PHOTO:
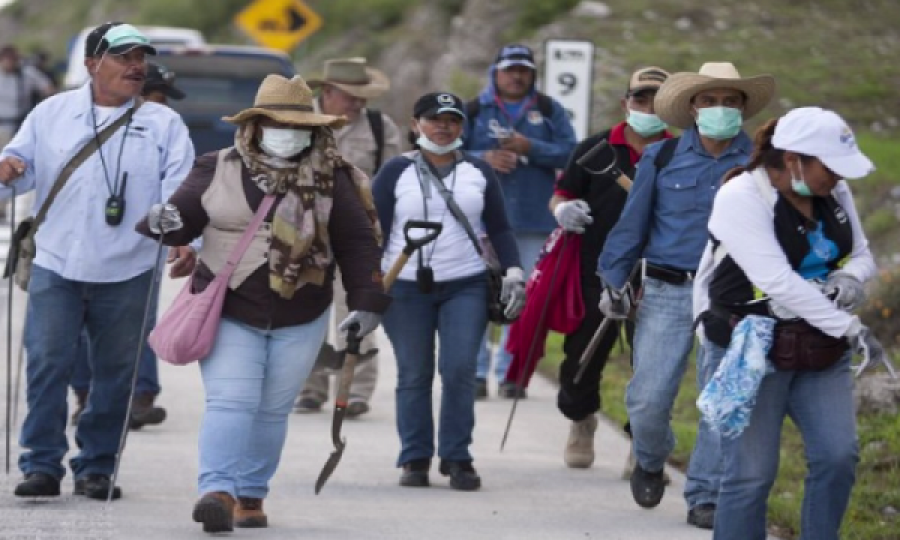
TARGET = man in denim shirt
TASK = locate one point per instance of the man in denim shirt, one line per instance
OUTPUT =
(664, 222)
(525, 136)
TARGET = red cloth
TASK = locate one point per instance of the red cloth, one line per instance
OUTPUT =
(563, 301)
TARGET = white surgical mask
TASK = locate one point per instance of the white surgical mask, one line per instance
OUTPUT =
(284, 142)
(427, 144)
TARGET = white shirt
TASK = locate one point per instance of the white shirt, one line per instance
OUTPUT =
(75, 241)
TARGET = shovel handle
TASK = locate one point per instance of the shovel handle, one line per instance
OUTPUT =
(433, 229)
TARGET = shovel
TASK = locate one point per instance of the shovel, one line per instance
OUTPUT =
(433, 229)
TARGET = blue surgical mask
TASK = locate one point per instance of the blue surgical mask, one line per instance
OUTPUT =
(427, 144)
(644, 124)
(719, 123)
(800, 186)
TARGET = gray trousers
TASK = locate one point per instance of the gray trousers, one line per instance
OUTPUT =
(366, 374)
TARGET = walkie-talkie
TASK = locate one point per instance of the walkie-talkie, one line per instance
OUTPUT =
(115, 204)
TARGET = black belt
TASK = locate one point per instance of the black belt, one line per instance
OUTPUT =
(669, 275)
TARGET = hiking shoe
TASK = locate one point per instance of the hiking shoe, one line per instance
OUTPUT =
(248, 514)
(357, 408)
(702, 516)
(96, 486)
(509, 390)
(306, 405)
(462, 475)
(579, 452)
(647, 488)
(481, 389)
(215, 511)
(415, 473)
(144, 412)
(38, 484)
(629, 468)
(80, 404)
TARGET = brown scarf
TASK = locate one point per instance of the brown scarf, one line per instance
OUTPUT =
(301, 251)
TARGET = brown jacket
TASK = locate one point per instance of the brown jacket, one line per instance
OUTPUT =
(253, 302)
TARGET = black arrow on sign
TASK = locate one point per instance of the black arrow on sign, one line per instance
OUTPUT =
(295, 21)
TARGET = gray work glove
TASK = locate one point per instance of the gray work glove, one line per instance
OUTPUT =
(573, 216)
(512, 292)
(615, 304)
(163, 219)
(846, 291)
(366, 320)
(866, 345)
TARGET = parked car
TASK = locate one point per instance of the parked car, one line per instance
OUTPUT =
(219, 80)
(76, 73)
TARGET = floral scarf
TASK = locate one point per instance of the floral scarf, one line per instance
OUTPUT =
(301, 252)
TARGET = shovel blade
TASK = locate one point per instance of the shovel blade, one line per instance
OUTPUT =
(330, 466)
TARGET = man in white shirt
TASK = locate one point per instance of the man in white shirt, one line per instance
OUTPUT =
(91, 269)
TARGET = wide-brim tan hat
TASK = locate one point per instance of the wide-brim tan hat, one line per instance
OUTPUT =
(354, 76)
(673, 100)
(286, 101)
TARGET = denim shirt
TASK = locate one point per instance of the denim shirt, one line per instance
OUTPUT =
(75, 241)
(665, 217)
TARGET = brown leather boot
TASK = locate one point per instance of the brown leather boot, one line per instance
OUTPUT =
(249, 514)
(80, 403)
(215, 511)
(144, 412)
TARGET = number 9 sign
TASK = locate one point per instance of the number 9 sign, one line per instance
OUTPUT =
(568, 81)
(568, 78)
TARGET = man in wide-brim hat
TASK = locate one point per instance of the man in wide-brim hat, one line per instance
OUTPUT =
(369, 139)
(664, 222)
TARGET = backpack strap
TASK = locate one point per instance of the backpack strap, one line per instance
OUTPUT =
(545, 105)
(473, 107)
(376, 122)
(665, 154)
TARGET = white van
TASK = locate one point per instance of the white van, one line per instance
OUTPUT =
(76, 73)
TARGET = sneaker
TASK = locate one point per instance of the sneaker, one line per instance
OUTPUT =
(215, 511)
(509, 390)
(144, 412)
(96, 486)
(462, 475)
(248, 514)
(702, 516)
(415, 473)
(647, 487)
(481, 389)
(38, 484)
(357, 408)
(579, 452)
(306, 405)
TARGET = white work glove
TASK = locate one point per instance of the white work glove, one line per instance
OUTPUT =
(573, 215)
(366, 320)
(864, 343)
(846, 291)
(164, 218)
(512, 292)
(615, 304)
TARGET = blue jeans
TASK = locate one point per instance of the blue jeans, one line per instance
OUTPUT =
(704, 473)
(663, 341)
(251, 378)
(455, 311)
(148, 372)
(58, 311)
(530, 245)
(821, 405)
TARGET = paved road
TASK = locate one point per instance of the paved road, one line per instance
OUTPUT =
(528, 492)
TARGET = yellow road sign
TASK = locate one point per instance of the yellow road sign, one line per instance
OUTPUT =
(278, 24)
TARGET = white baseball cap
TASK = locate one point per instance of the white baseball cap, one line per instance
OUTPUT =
(824, 135)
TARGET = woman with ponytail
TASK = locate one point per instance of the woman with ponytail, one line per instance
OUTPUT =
(786, 243)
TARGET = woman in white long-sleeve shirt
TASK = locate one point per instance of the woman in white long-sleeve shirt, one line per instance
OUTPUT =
(786, 242)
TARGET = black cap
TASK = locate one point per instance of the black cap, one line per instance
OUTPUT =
(96, 43)
(437, 103)
(161, 79)
(515, 55)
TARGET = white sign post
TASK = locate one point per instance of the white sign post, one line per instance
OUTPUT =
(569, 78)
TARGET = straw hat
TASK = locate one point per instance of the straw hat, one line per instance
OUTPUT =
(286, 101)
(353, 76)
(673, 101)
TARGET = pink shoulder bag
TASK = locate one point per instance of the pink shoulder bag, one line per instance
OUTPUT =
(187, 331)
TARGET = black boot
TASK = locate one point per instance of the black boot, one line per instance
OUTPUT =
(415, 473)
(96, 486)
(462, 475)
(38, 484)
(144, 413)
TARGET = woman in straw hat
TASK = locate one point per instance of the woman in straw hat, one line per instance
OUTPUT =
(275, 312)
(664, 222)
(787, 244)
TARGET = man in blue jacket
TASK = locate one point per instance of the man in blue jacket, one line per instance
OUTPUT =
(525, 136)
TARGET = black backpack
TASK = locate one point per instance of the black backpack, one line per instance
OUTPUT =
(377, 124)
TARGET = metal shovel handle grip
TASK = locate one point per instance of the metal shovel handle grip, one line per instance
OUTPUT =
(432, 228)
